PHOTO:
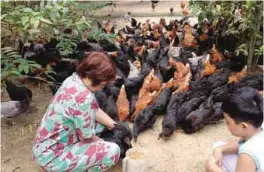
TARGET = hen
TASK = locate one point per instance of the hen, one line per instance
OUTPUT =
(122, 104)
(121, 135)
(209, 69)
(142, 103)
(144, 120)
(235, 77)
(189, 40)
(17, 93)
(216, 56)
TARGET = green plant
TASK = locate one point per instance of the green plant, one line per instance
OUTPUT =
(246, 30)
(97, 35)
(13, 65)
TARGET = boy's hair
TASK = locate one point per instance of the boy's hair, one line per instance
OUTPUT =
(245, 105)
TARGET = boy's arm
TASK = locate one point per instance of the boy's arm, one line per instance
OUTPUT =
(245, 163)
(229, 148)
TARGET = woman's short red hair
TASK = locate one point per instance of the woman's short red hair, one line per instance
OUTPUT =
(98, 67)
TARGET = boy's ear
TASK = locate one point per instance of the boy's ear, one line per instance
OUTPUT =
(244, 125)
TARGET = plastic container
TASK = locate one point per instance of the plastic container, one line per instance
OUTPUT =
(135, 160)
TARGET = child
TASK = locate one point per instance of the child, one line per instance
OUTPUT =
(243, 114)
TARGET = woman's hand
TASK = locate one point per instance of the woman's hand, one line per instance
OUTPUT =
(218, 156)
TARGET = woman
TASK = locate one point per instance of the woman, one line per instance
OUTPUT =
(66, 139)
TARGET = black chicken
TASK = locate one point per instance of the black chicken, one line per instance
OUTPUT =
(17, 93)
(144, 120)
(187, 107)
(121, 135)
(162, 100)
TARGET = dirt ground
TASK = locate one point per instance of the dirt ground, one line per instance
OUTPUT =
(181, 153)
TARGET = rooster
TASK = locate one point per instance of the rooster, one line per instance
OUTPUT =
(122, 104)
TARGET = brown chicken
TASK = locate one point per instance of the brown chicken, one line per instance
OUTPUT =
(145, 87)
(122, 104)
(189, 40)
(113, 54)
(142, 103)
(235, 77)
(155, 84)
(209, 69)
(185, 12)
(182, 5)
(216, 56)
(203, 37)
(183, 84)
(182, 70)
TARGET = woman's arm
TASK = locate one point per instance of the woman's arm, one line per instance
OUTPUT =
(102, 118)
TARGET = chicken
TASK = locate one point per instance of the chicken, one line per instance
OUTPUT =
(209, 69)
(195, 120)
(162, 100)
(170, 120)
(13, 108)
(145, 87)
(134, 72)
(155, 84)
(121, 135)
(203, 37)
(235, 77)
(187, 107)
(122, 104)
(144, 120)
(137, 64)
(183, 84)
(142, 103)
(189, 40)
(111, 108)
(185, 12)
(17, 93)
(182, 5)
(171, 10)
(168, 125)
(216, 55)
(182, 70)
(252, 80)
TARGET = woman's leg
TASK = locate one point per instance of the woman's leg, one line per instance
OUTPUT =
(93, 157)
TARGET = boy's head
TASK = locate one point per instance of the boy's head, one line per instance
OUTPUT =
(243, 111)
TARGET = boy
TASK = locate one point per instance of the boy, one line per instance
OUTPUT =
(243, 114)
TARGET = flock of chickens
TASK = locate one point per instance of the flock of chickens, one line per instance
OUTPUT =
(174, 70)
